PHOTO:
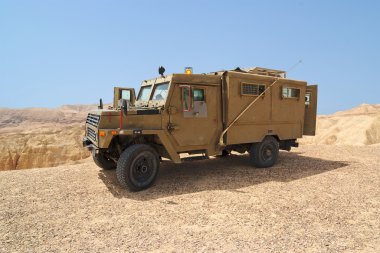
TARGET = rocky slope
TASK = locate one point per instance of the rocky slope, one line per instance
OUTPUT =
(39, 137)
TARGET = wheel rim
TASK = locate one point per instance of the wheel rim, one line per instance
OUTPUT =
(143, 169)
(267, 153)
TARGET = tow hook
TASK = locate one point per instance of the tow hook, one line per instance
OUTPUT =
(86, 142)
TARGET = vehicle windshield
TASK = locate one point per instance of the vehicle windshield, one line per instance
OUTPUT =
(144, 93)
(160, 91)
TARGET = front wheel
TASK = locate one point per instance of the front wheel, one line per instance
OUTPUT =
(103, 162)
(137, 167)
(264, 154)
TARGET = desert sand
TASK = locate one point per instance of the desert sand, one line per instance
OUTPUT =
(318, 198)
(321, 197)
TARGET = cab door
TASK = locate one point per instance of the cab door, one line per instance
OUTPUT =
(194, 124)
(310, 118)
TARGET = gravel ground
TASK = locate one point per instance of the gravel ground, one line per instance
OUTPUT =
(316, 199)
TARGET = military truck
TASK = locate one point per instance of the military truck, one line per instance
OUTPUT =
(254, 110)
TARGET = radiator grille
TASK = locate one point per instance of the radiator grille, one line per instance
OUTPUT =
(91, 133)
(93, 119)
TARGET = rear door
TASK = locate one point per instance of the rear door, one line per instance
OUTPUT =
(310, 119)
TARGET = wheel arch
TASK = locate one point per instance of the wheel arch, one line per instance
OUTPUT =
(158, 139)
(272, 135)
(166, 146)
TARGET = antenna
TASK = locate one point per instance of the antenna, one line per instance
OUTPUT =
(294, 66)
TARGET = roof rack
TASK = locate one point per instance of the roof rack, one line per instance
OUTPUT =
(266, 72)
(254, 70)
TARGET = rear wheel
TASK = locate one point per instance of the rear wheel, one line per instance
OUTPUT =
(264, 154)
(137, 167)
(103, 162)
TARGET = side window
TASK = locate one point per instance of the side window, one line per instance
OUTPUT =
(186, 98)
(198, 94)
(250, 89)
(288, 92)
(193, 101)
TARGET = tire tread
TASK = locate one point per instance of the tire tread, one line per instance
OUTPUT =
(255, 153)
(124, 162)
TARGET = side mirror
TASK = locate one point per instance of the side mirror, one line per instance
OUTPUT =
(123, 93)
(124, 106)
(100, 104)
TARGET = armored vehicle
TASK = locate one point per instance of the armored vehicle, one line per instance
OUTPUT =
(255, 110)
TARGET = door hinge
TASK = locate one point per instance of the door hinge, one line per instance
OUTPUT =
(172, 127)
(172, 110)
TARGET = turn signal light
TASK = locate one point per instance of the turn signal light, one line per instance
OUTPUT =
(102, 133)
(114, 132)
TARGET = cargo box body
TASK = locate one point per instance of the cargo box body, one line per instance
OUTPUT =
(279, 112)
(272, 114)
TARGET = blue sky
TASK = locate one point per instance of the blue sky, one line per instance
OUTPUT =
(74, 52)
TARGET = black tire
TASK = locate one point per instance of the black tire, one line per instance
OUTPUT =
(103, 162)
(137, 167)
(264, 154)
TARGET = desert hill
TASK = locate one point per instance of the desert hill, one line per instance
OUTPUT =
(357, 126)
(40, 137)
(66, 114)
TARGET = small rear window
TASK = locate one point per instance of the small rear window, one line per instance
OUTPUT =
(307, 99)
